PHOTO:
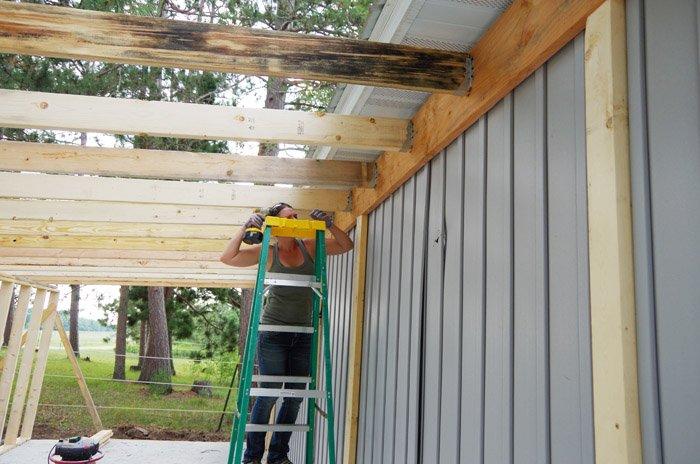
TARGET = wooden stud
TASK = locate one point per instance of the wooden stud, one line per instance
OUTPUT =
(5, 448)
(103, 211)
(129, 255)
(102, 436)
(12, 354)
(352, 407)
(37, 110)
(613, 327)
(64, 187)
(10, 278)
(47, 324)
(178, 165)
(96, 421)
(128, 272)
(87, 263)
(25, 369)
(6, 292)
(114, 243)
(521, 40)
(153, 282)
(90, 35)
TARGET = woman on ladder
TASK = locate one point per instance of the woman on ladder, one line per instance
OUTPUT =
(282, 353)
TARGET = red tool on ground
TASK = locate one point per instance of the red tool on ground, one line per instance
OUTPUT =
(76, 450)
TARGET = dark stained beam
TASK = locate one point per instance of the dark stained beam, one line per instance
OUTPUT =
(80, 34)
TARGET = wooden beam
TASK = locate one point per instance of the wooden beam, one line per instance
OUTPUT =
(179, 165)
(128, 272)
(88, 188)
(37, 110)
(113, 229)
(152, 282)
(92, 410)
(25, 369)
(40, 368)
(6, 293)
(6, 448)
(86, 253)
(114, 243)
(12, 355)
(521, 40)
(143, 263)
(10, 278)
(352, 408)
(117, 38)
(611, 267)
(102, 436)
(118, 211)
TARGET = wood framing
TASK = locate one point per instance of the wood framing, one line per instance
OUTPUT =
(161, 164)
(81, 34)
(37, 110)
(114, 243)
(119, 211)
(6, 293)
(141, 263)
(521, 40)
(88, 188)
(613, 326)
(82, 253)
(12, 354)
(157, 281)
(25, 369)
(352, 408)
(92, 410)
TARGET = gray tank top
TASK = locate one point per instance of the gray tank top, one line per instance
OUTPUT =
(289, 305)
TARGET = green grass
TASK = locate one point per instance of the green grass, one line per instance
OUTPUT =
(59, 420)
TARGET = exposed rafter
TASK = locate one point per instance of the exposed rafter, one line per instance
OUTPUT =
(106, 189)
(80, 34)
(38, 110)
(162, 164)
(521, 40)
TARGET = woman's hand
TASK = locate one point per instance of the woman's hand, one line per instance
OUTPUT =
(319, 215)
(256, 220)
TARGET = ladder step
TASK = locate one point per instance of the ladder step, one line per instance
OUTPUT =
(291, 280)
(276, 428)
(281, 379)
(286, 393)
(285, 328)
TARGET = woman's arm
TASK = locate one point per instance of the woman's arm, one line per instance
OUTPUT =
(234, 256)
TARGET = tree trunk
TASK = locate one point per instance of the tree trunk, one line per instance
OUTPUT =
(74, 314)
(10, 318)
(275, 98)
(156, 366)
(120, 350)
(143, 342)
(246, 305)
(168, 295)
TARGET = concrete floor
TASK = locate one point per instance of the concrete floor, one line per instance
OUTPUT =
(130, 451)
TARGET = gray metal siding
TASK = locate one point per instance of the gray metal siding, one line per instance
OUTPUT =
(487, 338)
(664, 97)
(340, 282)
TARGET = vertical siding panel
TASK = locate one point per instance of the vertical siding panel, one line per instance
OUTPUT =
(499, 305)
(382, 331)
(398, 446)
(673, 116)
(417, 311)
(362, 412)
(452, 305)
(570, 363)
(433, 316)
(371, 364)
(530, 390)
(394, 313)
(474, 310)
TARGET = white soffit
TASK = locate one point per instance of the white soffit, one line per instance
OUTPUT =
(443, 24)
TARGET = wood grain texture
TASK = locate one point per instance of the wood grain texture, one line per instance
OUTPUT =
(117, 38)
(66, 187)
(38, 110)
(613, 322)
(521, 40)
(167, 281)
(178, 165)
(142, 263)
(91, 253)
(114, 243)
(352, 407)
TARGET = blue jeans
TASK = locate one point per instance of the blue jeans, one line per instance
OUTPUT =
(279, 353)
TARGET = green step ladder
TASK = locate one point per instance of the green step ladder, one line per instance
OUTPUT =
(296, 228)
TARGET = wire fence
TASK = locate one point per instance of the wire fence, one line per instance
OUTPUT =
(130, 408)
(135, 356)
(108, 379)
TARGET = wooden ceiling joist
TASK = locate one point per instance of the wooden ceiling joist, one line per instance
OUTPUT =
(104, 211)
(140, 263)
(152, 281)
(130, 272)
(178, 165)
(521, 40)
(114, 243)
(27, 227)
(38, 110)
(111, 254)
(106, 189)
(80, 34)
